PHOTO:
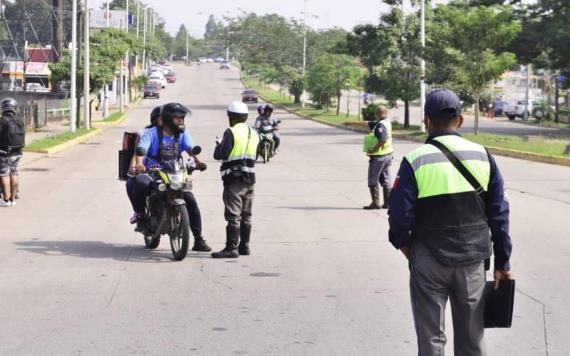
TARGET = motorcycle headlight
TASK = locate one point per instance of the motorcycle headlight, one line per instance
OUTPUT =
(162, 187)
(176, 181)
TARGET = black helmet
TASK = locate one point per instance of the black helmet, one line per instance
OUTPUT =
(154, 115)
(260, 109)
(9, 104)
(268, 107)
(169, 112)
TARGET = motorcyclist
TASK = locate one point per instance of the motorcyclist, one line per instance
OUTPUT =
(259, 112)
(267, 123)
(131, 176)
(151, 152)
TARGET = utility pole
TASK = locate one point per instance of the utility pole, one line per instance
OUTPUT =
(187, 52)
(144, 42)
(527, 92)
(86, 75)
(127, 77)
(106, 87)
(73, 94)
(228, 44)
(423, 65)
(138, 12)
(304, 50)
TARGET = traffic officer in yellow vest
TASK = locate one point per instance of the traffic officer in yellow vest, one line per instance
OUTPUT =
(378, 147)
(238, 153)
(447, 208)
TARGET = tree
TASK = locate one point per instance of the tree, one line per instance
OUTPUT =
(473, 38)
(329, 76)
(212, 28)
(295, 82)
(108, 48)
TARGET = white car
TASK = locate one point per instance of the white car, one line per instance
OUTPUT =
(156, 68)
(167, 68)
(518, 110)
(158, 77)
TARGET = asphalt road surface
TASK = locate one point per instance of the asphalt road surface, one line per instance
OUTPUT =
(322, 279)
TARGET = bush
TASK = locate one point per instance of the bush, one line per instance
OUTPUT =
(368, 112)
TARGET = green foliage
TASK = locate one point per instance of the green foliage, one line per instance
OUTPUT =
(369, 112)
(472, 40)
(294, 80)
(52, 141)
(329, 76)
(140, 82)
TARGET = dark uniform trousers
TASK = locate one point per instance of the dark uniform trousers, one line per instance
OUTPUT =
(431, 285)
(238, 202)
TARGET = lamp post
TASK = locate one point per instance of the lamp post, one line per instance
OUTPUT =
(86, 74)
(304, 50)
(423, 65)
(73, 94)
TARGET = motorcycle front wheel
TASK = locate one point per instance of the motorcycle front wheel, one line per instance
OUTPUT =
(150, 242)
(179, 232)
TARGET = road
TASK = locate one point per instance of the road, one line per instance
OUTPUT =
(322, 279)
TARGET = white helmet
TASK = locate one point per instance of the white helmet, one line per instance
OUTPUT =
(238, 110)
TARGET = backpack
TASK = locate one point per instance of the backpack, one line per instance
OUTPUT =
(13, 133)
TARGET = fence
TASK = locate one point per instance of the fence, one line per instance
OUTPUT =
(37, 109)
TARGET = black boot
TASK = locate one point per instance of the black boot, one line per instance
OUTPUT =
(245, 233)
(200, 245)
(375, 194)
(386, 192)
(232, 239)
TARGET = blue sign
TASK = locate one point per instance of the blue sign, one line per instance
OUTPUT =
(561, 78)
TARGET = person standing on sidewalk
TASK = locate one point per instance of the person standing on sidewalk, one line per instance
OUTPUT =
(379, 150)
(447, 208)
(12, 141)
(238, 153)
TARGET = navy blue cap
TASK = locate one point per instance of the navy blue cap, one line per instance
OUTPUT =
(442, 104)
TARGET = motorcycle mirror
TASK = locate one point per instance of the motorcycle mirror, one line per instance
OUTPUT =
(3, 153)
(278, 121)
(196, 150)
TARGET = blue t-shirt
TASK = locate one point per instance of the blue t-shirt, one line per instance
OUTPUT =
(149, 142)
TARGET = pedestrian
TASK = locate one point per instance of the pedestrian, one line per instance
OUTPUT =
(447, 208)
(12, 141)
(378, 147)
(238, 153)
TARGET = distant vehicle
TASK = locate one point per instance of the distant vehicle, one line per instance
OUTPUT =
(249, 95)
(170, 77)
(158, 77)
(224, 65)
(219, 60)
(151, 90)
(162, 62)
(156, 68)
(167, 68)
(202, 60)
(36, 88)
(499, 107)
(520, 109)
(210, 60)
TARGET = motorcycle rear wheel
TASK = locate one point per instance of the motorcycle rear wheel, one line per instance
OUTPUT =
(179, 232)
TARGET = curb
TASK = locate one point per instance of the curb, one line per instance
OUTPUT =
(102, 124)
(528, 156)
(68, 144)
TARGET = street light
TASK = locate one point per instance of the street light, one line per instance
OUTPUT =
(86, 74)
(73, 94)
(423, 64)
(304, 50)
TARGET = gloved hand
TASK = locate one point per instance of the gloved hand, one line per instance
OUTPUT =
(202, 166)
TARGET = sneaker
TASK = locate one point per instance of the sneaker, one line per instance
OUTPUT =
(4, 203)
(12, 203)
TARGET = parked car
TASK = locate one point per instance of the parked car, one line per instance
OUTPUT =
(520, 109)
(158, 77)
(162, 62)
(224, 65)
(249, 95)
(36, 87)
(151, 90)
(170, 77)
(219, 60)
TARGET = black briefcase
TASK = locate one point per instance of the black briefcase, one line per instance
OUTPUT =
(499, 304)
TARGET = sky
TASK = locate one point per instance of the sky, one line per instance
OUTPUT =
(331, 13)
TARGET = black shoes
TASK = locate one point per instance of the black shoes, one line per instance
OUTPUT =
(200, 245)
(245, 233)
(232, 239)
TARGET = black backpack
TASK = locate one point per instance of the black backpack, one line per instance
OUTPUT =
(13, 133)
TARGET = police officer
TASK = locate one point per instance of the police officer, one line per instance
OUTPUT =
(440, 218)
(380, 158)
(238, 152)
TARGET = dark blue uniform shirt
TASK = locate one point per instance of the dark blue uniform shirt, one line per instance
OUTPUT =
(403, 201)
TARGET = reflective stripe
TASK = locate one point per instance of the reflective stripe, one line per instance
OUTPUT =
(240, 158)
(244, 151)
(439, 157)
(387, 148)
(243, 169)
(435, 175)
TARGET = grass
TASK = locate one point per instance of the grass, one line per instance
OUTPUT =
(531, 144)
(327, 116)
(52, 141)
(114, 117)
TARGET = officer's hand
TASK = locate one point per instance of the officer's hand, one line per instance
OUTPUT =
(201, 166)
(218, 141)
(406, 251)
(502, 275)
(140, 168)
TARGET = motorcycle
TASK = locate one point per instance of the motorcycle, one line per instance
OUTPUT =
(165, 211)
(266, 148)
